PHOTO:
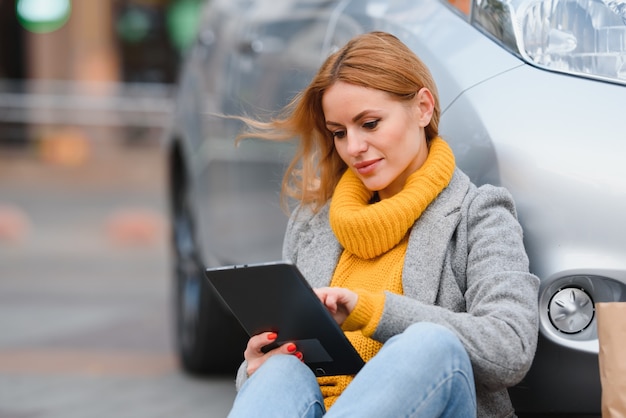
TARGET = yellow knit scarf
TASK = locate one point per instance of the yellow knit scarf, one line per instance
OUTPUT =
(375, 237)
(369, 230)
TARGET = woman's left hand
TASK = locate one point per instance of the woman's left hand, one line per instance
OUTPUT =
(339, 301)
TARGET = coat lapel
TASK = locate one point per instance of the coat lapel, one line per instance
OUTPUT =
(429, 240)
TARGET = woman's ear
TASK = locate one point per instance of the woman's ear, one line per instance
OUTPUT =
(425, 106)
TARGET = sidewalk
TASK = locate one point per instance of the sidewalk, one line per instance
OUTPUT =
(85, 292)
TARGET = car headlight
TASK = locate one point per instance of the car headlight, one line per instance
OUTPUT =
(580, 37)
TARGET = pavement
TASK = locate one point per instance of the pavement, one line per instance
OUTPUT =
(85, 290)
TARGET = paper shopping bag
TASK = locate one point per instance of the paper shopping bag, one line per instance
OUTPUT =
(612, 357)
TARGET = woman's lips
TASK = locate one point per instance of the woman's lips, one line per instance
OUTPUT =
(366, 167)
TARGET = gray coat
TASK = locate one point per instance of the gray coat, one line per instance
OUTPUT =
(465, 268)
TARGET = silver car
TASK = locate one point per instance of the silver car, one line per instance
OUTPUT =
(533, 95)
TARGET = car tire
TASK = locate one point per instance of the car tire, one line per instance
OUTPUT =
(208, 337)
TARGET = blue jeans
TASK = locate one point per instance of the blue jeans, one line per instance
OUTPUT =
(423, 372)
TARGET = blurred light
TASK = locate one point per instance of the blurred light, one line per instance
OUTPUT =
(41, 16)
(182, 22)
(134, 25)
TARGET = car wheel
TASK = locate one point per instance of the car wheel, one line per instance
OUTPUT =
(208, 338)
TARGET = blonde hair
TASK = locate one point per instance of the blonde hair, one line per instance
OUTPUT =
(375, 60)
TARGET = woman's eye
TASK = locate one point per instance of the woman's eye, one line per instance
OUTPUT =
(371, 124)
(339, 134)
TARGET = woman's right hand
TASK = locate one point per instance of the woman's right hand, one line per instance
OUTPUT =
(254, 355)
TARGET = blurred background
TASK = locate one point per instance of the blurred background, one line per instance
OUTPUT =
(86, 91)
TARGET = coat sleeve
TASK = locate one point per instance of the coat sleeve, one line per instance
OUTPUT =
(500, 323)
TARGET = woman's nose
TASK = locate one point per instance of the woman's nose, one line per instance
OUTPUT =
(356, 144)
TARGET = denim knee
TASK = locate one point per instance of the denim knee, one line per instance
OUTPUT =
(285, 368)
(424, 371)
(436, 341)
(282, 364)
(440, 354)
(282, 387)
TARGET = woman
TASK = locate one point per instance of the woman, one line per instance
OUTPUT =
(426, 273)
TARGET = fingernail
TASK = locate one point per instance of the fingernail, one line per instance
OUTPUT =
(272, 336)
(299, 355)
(291, 347)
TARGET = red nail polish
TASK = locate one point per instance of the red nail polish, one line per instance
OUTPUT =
(272, 336)
(299, 355)
(291, 347)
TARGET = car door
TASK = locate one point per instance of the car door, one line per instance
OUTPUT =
(276, 47)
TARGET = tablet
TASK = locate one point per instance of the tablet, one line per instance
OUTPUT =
(276, 297)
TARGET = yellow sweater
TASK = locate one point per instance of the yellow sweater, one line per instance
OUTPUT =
(375, 238)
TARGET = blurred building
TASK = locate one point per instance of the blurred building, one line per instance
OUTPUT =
(101, 40)
(88, 54)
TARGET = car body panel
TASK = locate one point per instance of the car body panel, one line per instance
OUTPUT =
(262, 59)
(439, 35)
(561, 174)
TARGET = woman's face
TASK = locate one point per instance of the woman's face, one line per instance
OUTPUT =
(380, 138)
